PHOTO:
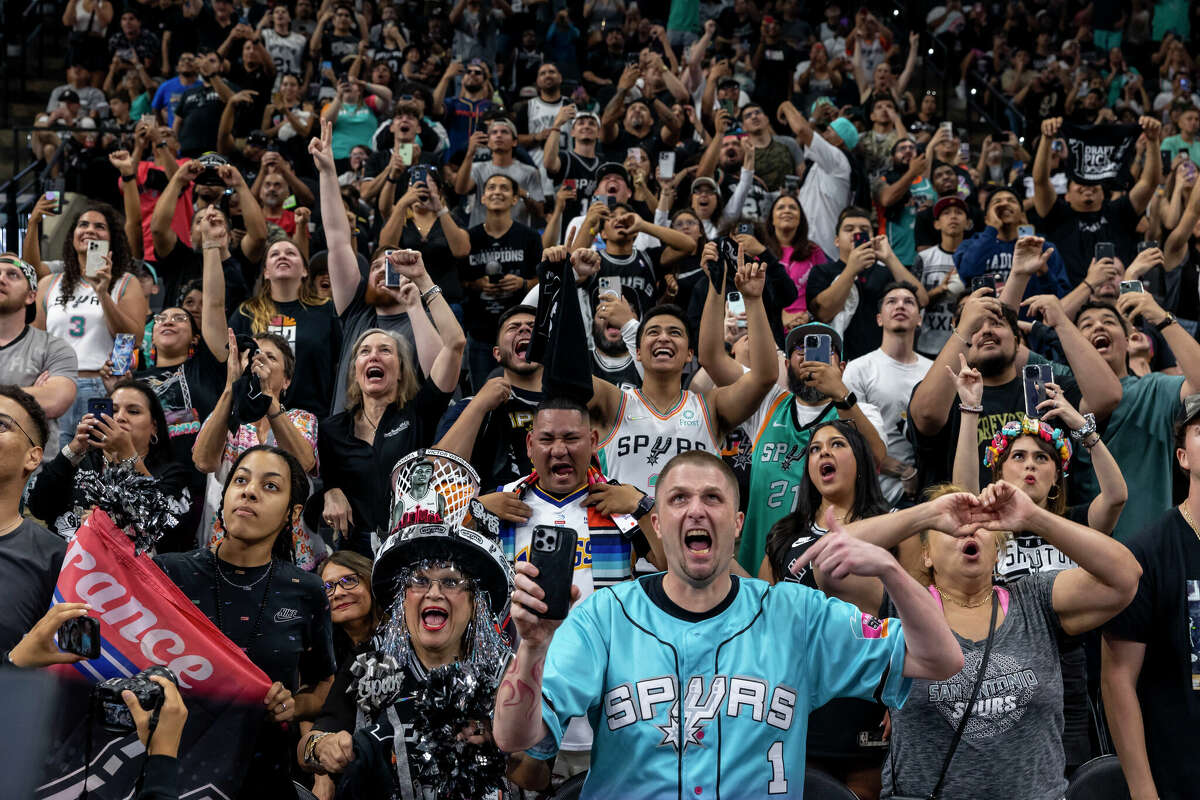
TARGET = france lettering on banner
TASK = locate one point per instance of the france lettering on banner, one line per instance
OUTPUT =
(1098, 153)
(145, 619)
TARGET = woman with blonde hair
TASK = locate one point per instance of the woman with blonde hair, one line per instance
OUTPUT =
(389, 413)
(287, 306)
(960, 737)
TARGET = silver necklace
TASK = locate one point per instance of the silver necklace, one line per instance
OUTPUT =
(246, 587)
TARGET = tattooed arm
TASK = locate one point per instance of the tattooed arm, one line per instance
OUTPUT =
(518, 722)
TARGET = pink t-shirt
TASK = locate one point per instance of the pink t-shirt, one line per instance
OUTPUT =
(798, 271)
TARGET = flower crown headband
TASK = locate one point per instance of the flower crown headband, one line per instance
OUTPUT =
(1015, 428)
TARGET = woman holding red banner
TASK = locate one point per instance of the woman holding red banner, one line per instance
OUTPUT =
(277, 613)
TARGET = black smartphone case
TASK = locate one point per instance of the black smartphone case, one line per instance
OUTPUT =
(81, 636)
(552, 551)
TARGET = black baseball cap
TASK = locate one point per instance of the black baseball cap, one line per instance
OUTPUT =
(795, 337)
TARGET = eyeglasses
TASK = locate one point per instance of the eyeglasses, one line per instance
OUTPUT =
(347, 582)
(422, 583)
(7, 423)
(180, 317)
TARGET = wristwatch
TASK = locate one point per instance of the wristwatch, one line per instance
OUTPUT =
(644, 506)
(846, 403)
(1167, 322)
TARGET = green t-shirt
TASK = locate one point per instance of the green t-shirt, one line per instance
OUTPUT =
(777, 468)
(1141, 438)
(1173, 144)
(140, 106)
(684, 16)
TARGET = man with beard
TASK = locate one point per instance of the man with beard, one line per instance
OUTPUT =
(490, 428)
(733, 160)
(885, 378)
(39, 363)
(986, 336)
(538, 115)
(272, 191)
(581, 163)
(990, 252)
(1086, 217)
(781, 426)
(630, 123)
(169, 91)
(461, 113)
(614, 338)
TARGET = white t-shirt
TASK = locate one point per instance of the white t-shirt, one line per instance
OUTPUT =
(887, 384)
(937, 317)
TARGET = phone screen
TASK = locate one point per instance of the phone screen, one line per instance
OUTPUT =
(817, 347)
(1035, 377)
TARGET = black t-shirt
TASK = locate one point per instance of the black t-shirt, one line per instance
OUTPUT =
(339, 50)
(636, 271)
(500, 454)
(604, 64)
(184, 264)
(515, 252)
(30, 558)
(773, 77)
(293, 646)
(623, 375)
(1075, 234)
(364, 471)
(862, 335)
(572, 166)
(935, 451)
(315, 334)
(618, 148)
(199, 111)
(1165, 616)
(211, 34)
(249, 116)
(439, 261)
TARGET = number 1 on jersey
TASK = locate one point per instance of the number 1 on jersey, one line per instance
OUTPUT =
(778, 783)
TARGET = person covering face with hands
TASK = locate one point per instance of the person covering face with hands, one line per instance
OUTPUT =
(560, 669)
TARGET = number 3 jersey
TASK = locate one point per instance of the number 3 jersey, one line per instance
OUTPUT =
(713, 704)
(642, 441)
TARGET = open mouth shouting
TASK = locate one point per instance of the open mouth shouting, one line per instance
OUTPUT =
(434, 618)
(521, 347)
(698, 542)
(970, 549)
(663, 351)
(1102, 342)
(374, 375)
(562, 469)
(827, 470)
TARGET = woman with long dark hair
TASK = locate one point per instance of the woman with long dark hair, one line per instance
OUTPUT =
(277, 613)
(88, 310)
(787, 239)
(134, 438)
(286, 306)
(841, 483)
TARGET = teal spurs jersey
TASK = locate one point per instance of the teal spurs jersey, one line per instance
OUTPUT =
(749, 673)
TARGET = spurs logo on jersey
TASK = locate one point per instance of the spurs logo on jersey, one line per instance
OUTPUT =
(643, 440)
(735, 696)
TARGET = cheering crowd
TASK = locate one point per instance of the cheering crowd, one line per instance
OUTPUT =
(843, 436)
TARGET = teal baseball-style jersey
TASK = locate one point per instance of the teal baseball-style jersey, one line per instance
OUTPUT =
(692, 705)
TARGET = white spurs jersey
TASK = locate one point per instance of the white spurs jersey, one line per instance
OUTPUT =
(642, 441)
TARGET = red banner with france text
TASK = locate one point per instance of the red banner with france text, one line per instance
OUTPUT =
(145, 619)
